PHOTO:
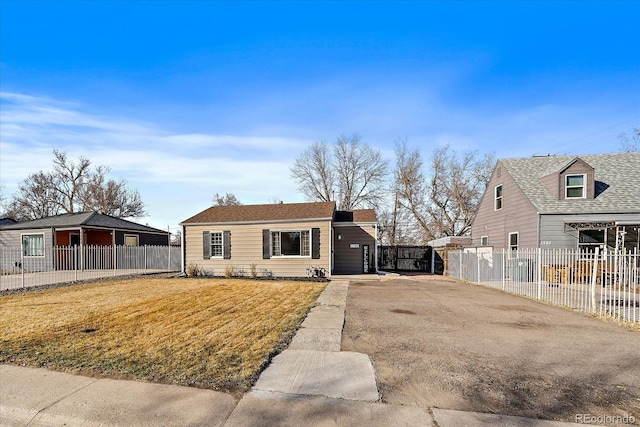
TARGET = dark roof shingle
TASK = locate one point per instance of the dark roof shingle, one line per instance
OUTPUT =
(264, 213)
(85, 219)
(357, 216)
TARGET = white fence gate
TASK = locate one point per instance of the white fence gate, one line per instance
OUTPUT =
(73, 263)
(607, 284)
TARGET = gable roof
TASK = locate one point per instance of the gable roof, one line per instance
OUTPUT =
(616, 178)
(84, 219)
(264, 213)
(357, 216)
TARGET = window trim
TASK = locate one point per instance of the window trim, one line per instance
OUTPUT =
(301, 230)
(497, 198)
(221, 233)
(131, 235)
(517, 234)
(23, 235)
(583, 186)
(484, 240)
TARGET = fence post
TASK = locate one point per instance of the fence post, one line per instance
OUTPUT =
(504, 269)
(22, 265)
(593, 279)
(539, 273)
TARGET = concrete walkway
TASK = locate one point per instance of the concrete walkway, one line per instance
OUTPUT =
(311, 383)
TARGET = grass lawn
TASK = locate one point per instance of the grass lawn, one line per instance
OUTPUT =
(209, 333)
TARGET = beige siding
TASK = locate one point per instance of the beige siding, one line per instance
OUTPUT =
(517, 215)
(349, 260)
(246, 249)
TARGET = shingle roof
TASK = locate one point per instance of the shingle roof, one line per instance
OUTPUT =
(264, 213)
(358, 216)
(616, 178)
(85, 219)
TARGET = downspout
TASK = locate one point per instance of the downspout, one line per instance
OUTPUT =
(81, 249)
(538, 229)
(375, 250)
(331, 256)
(113, 247)
(182, 249)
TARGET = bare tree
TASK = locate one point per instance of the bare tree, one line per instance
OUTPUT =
(229, 199)
(361, 173)
(35, 198)
(632, 143)
(109, 196)
(315, 173)
(353, 170)
(445, 203)
(72, 187)
(68, 179)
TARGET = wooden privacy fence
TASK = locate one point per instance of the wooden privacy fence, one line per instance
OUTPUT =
(73, 263)
(604, 283)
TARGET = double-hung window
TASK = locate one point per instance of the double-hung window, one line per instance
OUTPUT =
(574, 187)
(513, 241)
(33, 244)
(216, 244)
(291, 243)
(498, 197)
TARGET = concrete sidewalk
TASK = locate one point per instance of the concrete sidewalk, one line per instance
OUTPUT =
(311, 383)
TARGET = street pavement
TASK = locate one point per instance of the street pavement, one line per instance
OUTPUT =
(312, 383)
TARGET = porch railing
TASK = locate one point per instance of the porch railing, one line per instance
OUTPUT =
(604, 283)
(73, 263)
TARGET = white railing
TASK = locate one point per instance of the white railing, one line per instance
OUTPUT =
(606, 284)
(73, 263)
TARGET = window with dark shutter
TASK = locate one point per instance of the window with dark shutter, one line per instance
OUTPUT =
(206, 245)
(266, 244)
(226, 240)
(315, 243)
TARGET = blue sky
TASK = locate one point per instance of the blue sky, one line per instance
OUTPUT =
(186, 99)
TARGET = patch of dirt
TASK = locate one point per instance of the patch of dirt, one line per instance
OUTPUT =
(477, 349)
(401, 311)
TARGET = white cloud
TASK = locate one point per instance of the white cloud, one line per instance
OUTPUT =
(173, 172)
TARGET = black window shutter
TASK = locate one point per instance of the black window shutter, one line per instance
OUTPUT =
(206, 245)
(266, 244)
(226, 239)
(315, 243)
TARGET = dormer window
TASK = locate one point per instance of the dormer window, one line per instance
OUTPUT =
(575, 188)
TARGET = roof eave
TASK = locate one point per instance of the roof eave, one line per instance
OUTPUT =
(273, 221)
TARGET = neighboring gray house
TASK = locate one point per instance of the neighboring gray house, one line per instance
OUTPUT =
(558, 202)
(34, 238)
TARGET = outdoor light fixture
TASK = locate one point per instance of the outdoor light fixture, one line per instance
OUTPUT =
(339, 236)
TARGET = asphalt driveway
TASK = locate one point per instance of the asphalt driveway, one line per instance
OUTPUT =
(436, 343)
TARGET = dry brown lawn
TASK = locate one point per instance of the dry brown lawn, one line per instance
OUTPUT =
(210, 333)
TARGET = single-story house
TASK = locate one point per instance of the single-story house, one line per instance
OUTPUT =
(75, 230)
(561, 202)
(283, 240)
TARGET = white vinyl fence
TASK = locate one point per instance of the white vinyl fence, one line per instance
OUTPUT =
(73, 263)
(607, 284)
